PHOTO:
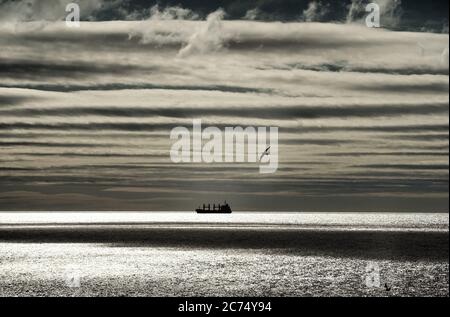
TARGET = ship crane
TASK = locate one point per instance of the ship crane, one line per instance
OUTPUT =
(217, 209)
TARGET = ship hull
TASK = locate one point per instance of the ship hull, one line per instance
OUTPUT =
(213, 212)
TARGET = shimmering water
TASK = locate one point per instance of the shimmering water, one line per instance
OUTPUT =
(347, 220)
(46, 269)
(243, 254)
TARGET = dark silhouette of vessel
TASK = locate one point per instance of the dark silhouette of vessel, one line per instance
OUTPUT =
(216, 209)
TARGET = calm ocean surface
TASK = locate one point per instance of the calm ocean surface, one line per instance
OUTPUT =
(347, 220)
(243, 254)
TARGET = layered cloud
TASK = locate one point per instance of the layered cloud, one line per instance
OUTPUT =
(398, 14)
(85, 114)
(49, 10)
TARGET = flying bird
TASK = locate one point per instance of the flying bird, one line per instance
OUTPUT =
(266, 152)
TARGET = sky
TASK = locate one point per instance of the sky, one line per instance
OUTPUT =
(86, 113)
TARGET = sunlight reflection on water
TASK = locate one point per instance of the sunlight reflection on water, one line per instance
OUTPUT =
(388, 220)
(42, 269)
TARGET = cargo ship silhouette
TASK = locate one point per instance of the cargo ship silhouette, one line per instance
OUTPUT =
(219, 209)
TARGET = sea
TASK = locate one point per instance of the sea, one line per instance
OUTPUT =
(242, 254)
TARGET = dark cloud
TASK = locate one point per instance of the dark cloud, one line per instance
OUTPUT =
(406, 166)
(117, 86)
(423, 137)
(193, 180)
(167, 126)
(396, 154)
(389, 128)
(296, 44)
(12, 100)
(25, 69)
(415, 14)
(347, 67)
(14, 169)
(275, 112)
(89, 126)
(89, 155)
(80, 108)
(320, 142)
(405, 88)
(52, 144)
